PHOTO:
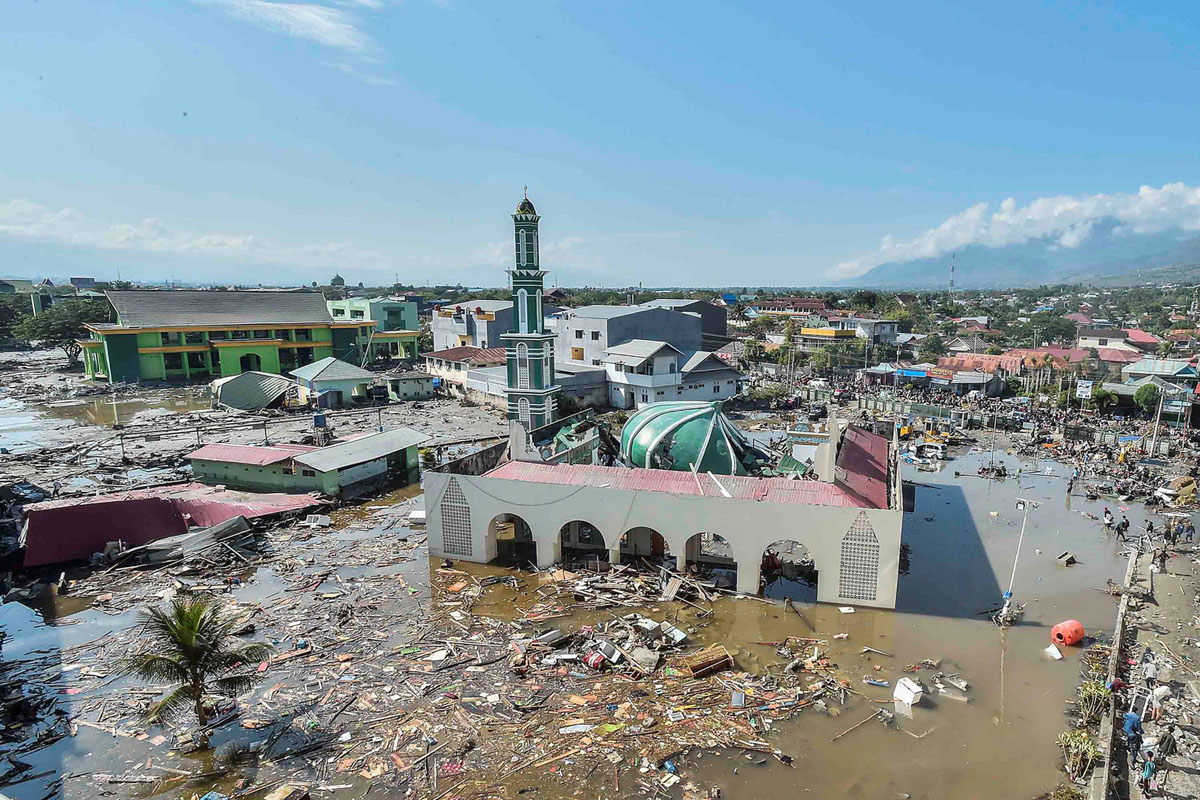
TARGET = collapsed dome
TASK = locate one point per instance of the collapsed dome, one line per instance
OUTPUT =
(688, 437)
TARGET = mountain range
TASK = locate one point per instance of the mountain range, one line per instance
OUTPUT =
(1110, 256)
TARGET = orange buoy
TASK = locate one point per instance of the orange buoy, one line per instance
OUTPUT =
(1069, 632)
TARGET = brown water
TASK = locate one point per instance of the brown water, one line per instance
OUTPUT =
(1000, 744)
(26, 427)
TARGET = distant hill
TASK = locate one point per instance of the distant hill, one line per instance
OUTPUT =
(1107, 257)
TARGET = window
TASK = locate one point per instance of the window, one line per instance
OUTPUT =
(356, 314)
(339, 312)
(308, 473)
(173, 361)
(716, 387)
(577, 354)
(193, 337)
(304, 335)
(221, 335)
(578, 334)
(1103, 342)
(644, 398)
(671, 367)
(595, 336)
(523, 311)
(262, 334)
(522, 366)
(521, 248)
(523, 411)
(595, 362)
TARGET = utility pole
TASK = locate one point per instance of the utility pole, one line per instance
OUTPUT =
(1003, 616)
(1157, 417)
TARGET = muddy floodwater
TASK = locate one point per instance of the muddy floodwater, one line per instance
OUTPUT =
(963, 538)
(25, 427)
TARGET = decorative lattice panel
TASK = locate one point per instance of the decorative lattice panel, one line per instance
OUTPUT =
(456, 521)
(860, 561)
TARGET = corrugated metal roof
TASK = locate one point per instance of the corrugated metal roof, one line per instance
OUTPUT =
(862, 467)
(248, 453)
(188, 307)
(251, 391)
(332, 369)
(769, 490)
(362, 449)
(1160, 366)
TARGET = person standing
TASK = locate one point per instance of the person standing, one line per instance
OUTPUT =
(1150, 673)
(1149, 768)
(1133, 737)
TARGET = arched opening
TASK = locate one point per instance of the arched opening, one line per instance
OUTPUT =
(523, 411)
(250, 363)
(580, 541)
(514, 541)
(641, 543)
(522, 365)
(788, 572)
(710, 556)
(523, 311)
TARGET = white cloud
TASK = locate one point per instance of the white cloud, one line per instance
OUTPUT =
(25, 220)
(1067, 219)
(331, 27)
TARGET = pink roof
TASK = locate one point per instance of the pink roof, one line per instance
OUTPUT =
(72, 528)
(1078, 317)
(1140, 336)
(770, 490)
(863, 467)
(249, 454)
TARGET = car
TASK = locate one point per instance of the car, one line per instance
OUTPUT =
(817, 412)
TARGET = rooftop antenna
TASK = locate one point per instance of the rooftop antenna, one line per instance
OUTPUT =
(952, 273)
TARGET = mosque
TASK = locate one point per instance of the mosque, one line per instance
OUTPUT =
(685, 478)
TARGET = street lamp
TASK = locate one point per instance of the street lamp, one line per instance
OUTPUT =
(1006, 615)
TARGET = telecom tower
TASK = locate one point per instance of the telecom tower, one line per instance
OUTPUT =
(951, 274)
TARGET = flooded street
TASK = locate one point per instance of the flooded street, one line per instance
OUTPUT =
(963, 537)
(1001, 743)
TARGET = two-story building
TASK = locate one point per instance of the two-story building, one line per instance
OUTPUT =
(187, 334)
(475, 323)
(641, 372)
(586, 334)
(714, 323)
(396, 327)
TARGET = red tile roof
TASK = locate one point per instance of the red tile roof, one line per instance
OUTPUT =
(1113, 355)
(471, 355)
(249, 454)
(1079, 318)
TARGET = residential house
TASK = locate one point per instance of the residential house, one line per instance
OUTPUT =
(585, 334)
(968, 343)
(195, 333)
(1080, 319)
(1168, 369)
(451, 365)
(333, 383)
(16, 286)
(789, 306)
(346, 468)
(81, 282)
(409, 385)
(641, 372)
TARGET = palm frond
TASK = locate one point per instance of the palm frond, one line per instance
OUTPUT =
(177, 702)
(156, 667)
(233, 685)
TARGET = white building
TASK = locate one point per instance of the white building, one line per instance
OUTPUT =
(849, 521)
(643, 371)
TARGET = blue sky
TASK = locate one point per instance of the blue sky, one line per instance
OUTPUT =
(667, 143)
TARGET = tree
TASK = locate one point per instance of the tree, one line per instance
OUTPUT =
(1146, 397)
(62, 324)
(993, 350)
(13, 309)
(752, 349)
(931, 347)
(191, 644)
(1102, 398)
(1165, 348)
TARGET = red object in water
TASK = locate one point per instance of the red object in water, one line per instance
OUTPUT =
(1069, 632)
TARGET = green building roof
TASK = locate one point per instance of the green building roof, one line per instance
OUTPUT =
(688, 436)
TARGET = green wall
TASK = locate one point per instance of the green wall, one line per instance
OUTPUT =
(231, 358)
(345, 344)
(121, 353)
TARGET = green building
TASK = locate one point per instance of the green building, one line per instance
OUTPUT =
(162, 335)
(396, 326)
(347, 468)
(528, 347)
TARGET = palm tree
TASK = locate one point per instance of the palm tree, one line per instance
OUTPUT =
(191, 644)
(1165, 348)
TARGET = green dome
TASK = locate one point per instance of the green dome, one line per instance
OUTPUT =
(689, 437)
(526, 207)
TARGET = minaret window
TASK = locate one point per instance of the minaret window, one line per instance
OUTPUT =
(521, 248)
(537, 313)
(523, 311)
(533, 247)
(522, 366)
(523, 411)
